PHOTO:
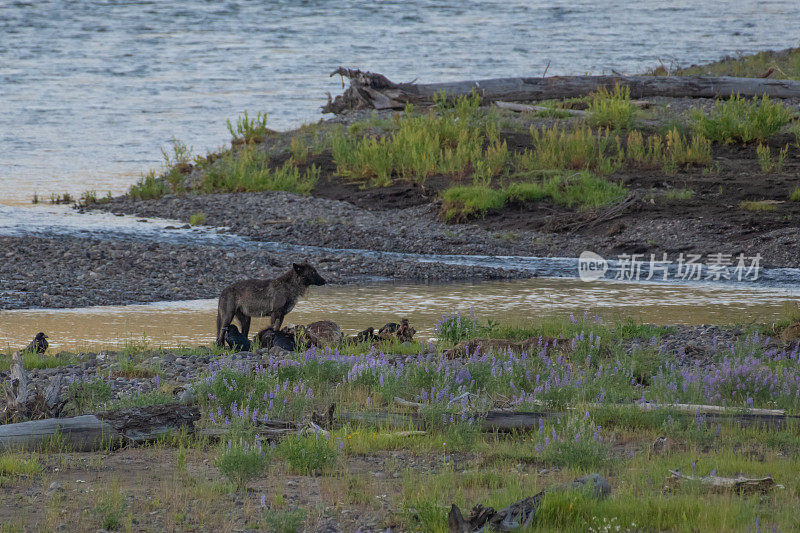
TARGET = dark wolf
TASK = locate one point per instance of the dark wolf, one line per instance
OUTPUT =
(263, 297)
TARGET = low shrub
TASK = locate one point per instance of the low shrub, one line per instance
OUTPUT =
(741, 120)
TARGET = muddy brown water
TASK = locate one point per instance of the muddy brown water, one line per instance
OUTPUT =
(191, 323)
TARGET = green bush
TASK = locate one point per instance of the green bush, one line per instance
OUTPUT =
(456, 328)
(110, 509)
(148, 187)
(741, 120)
(612, 109)
(248, 170)
(767, 163)
(462, 202)
(580, 189)
(456, 142)
(308, 454)
(247, 130)
(197, 218)
(577, 149)
(85, 396)
(241, 461)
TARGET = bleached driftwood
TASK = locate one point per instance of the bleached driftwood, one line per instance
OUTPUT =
(526, 108)
(713, 413)
(24, 400)
(97, 431)
(739, 484)
(374, 91)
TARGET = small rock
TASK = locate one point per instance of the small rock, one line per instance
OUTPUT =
(55, 485)
(595, 483)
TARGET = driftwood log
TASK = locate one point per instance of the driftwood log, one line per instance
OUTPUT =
(738, 485)
(25, 401)
(93, 432)
(504, 420)
(375, 91)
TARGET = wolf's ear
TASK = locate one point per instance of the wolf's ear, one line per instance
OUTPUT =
(297, 268)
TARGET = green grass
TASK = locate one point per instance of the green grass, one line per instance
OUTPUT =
(786, 65)
(309, 454)
(242, 461)
(33, 360)
(463, 202)
(249, 130)
(15, 465)
(148, 187)
(795, 195)
(679, 194)
(580, 190)
(248, 170)
(612, 109)
(197, 219)
(85, 396)
(111, 508)
(576, 149)
(740, 119)
(457, 141)
(769, 164)
(757, 206)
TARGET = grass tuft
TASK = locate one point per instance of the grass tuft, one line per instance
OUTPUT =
(581, 190)
(740, 119)
(612, 109)
(197, 219)
(758, 205)
(248, 170)
(767, 163)
(248, 130)
(679, 194)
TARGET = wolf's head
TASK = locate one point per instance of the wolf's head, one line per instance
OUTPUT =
(308, 274)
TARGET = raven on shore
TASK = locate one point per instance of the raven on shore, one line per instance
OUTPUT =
(38, 344)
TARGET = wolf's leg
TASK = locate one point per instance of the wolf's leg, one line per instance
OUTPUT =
(276, 319)
(244, 321)
(225, 311)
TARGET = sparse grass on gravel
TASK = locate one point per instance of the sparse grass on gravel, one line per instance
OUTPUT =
(785, 65)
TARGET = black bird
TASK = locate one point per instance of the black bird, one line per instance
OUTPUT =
(236, 340)
(38, 344)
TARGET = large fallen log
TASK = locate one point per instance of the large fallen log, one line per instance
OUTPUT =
(505, 420)
(94, 432)
(374, 91)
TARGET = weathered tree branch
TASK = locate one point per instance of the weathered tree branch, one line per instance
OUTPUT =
(374, 91)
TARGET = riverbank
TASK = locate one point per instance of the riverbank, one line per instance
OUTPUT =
(664, 176)
(582, 398)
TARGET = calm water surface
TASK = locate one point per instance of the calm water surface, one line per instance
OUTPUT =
(90, 91)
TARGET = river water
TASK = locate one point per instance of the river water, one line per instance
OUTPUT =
(91, 90)
(354, 308)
